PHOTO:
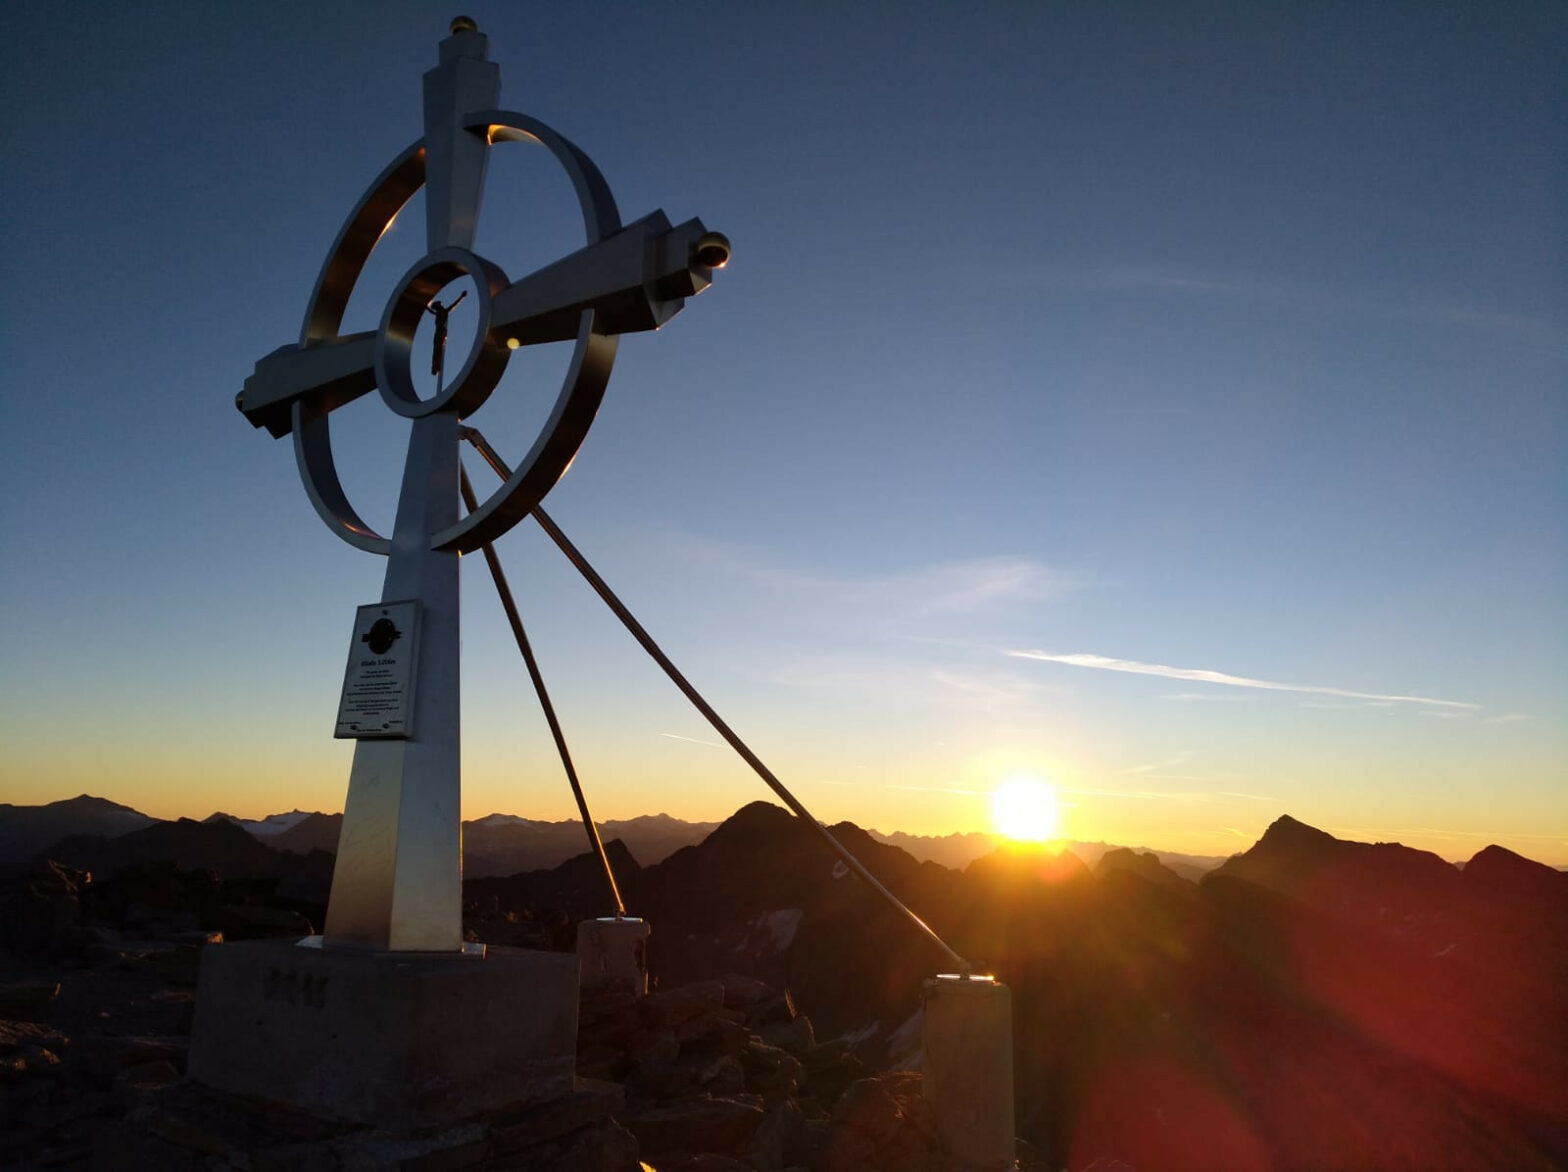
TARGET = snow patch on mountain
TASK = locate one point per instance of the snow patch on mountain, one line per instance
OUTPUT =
(272, 824)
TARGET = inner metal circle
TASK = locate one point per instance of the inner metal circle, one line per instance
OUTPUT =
(472, 385)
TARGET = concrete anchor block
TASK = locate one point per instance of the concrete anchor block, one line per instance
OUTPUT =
(613, 951)
(967, 1062)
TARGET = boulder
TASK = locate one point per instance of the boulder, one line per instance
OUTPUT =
(701, 1123)
(39, 909)
(869, 1108)
(27, 1000)
(672, 1007)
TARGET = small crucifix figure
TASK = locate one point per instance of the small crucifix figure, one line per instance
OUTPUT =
(438, 352)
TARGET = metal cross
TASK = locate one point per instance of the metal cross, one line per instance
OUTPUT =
(397, 883)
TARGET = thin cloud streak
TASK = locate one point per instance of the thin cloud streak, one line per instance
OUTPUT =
(1205, 795)
(692, 740)
(1205, 676)
(1180, 758)
(967, 587)
(919, 789)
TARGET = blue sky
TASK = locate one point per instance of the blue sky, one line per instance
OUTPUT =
(1063, 344)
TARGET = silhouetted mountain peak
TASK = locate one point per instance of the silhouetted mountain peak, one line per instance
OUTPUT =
(222, 846)
(1288, 832)
(88, 802)
(1376, 883)
(1020, 863)
(1147, 865)
(25, 831)
(80, 805)
(1499, 872)
(1501, 859)
(646, 820)
(754, 820)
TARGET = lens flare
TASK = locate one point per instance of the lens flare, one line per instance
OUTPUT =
(1025, 809)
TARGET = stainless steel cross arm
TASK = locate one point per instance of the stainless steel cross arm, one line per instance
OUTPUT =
(337, 371)
(637, 279)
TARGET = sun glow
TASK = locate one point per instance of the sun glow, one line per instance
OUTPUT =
(1025, 809)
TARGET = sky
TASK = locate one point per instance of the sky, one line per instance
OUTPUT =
(1163, 401)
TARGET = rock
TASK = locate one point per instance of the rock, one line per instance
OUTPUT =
(869, 1109)
(846, 1150)
(157, 894)
(108, 1056)
(779, 1139)
(771, 1071)
(702, 1124)
(157, 921)
(26, 1001)
(28, 1048)
(795, 1035)
(775, 1010)
(741, 992)
(671, 1007)
(199, 938)
(666, 1082)
(602, 1062)
(18, 1036)
(707, 1162)
(830, 1068)
(159, 958)
(605, 1147)
(651, 1050)
(147, 1075)
(723, 1076)
(713, 1034)
(697, 1026)
(908, 1090)
(259, 923)
(592, 1102)
(39, 909)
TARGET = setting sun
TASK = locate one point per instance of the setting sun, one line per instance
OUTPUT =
(1024, 808)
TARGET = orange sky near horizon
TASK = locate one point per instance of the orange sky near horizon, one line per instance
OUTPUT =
(713, 783)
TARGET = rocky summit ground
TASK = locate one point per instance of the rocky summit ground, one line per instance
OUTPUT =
(96, 1003)
(1311, 1003)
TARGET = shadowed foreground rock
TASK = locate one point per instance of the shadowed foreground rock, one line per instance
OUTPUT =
(95, 1012)
(1315, 1003)
(699, 1088)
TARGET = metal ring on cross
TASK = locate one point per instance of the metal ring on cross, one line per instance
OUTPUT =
(575, 404)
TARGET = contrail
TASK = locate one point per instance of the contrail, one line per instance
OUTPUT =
(1202, 675)
(693, 740)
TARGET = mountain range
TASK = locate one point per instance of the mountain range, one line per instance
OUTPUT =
(498, 844)
(1310, 1002)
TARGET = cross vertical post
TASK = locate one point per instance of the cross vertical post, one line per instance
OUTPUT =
(397, 884)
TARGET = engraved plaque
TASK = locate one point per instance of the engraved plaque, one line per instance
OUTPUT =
(378, 694)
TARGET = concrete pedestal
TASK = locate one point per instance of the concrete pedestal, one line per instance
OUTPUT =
(383, 1038)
